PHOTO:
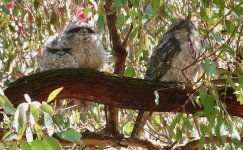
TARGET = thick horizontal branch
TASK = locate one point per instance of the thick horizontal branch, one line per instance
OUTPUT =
(193, 144)
(130, 93)
(91, 139)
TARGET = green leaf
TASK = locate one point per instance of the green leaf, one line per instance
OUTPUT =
(230, 82)
(217, 36)
(101, 22)
(48, 123)
(238, 11)
(53, 17)
(38, 145)
(213, 68)
(203, 14)
(6, 135)
(217, 130)
(86, 10)
(47, 108)
(236, 138)
(149, 10)
(240, 98)
(156, 4)
(22, 114)
(13, 147)
(207, 101)
(38, 130)
(230, 26)
(35, 112)
(203, 95)
(206, 3)
(24, 145)
(130, 72)
(145, 56)
(51, 143)
(178, 135)
(203, 129)
(59, 120)
(6, 105)
(119, 4)
(147, 42)
(120, 21)
(21, 131)
(240, 75)
(133, 34)
(173, 124)
(38, 19)
(157, 119)
(201, 142)
(53, 94)
(128, 127)
(187, 123)
(69, 135)
(209, 68)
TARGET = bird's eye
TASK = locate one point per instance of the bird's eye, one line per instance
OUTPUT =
(66, 50)
(90, 30)
(82, 29)
(52, 50)
(75, 30)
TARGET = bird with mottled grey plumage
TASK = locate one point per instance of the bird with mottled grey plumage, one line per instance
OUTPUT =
(77, 46)
(173, 59)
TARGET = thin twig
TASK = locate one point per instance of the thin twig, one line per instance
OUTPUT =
(200, 57)
(124, 43)
(239, 38)
(230, 11)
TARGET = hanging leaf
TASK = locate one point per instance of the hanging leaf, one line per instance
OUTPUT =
(24, 145)
(128, 127)
(13, 147)
(47, 108)
(51, 143)
(69, 135)
(130, 72)
(120, 21)
(6, 105)
(37, 145)
(53, 94)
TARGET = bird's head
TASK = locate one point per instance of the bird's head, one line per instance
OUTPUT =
(78, 33)
(74, 35)
(180, 25)
(80, 28)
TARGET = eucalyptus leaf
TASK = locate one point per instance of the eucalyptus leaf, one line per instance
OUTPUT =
(51, 143)
(70, 135)
(53, 94)
(37, 145)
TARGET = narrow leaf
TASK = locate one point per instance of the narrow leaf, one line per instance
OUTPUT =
(53, 94)
(69, 135)
(51, 143)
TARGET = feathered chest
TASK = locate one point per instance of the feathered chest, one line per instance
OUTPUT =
(176, 51)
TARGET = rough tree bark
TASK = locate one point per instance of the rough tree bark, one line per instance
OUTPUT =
(115, 91)
(120, 55)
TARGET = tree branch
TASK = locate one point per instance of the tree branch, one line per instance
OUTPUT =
(120, 53)
(92, 139)
(129, 93)
(193, 145)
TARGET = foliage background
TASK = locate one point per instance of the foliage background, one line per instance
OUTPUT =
(25, 25)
